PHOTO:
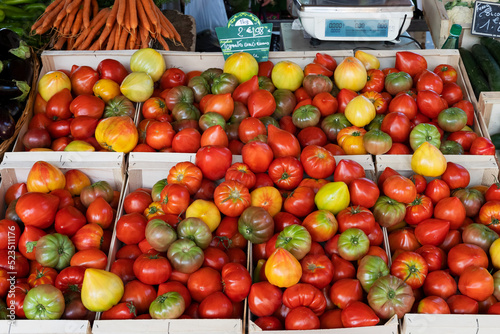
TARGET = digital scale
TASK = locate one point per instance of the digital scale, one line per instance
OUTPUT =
(354, 20)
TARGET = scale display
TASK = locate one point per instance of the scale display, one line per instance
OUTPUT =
(357, 28)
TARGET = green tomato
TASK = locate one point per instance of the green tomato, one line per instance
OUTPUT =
(452, 119)
(306, 116)
(388, 212)
(210, 119)
(398, 82)
(370, 269)
(119, 106)
(353, 244)
(200, 87)
(160, 235)
(54, 250)
(333, 196)
(424, 132)
(170, 305)
(185, 256)
(389, 295)
(295, 239)
(185, 110)
(195, 230)
(332, 124)
(451, 147)
(285, 103)
(256, 225)
(44, 302)
(157, 188)
(224, 83)
(376, 123)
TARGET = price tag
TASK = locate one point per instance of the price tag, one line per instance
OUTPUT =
(486, 19)
(245, 32)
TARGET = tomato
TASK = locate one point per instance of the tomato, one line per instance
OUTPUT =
(358, 314)
(174, 199)
(356, 217)
(37, 209)
(482, 146)
(317, 69)
(397, 125)
(410, 267)
(451, 209)
(433, 305)
(436, 190)
(90, 258)
(207, 211)
(203, 283)
(41, 276)
(88, 236)
(117, 133)
(348, 170)
(419, 210)
(405, 104)
(58, 106)
(130, 228)
(353, 244)
(28, 240)
(462, 256)
(140, 295)
(432, 231)
(429, 80)
(410, 62)
(83, 79)
(370, 268)
(400, 189)
(124, 268)
(461, 304)
(112, 69)
(213, 161)
(187, 175)
(440, 283)
(152, 269)
(321, 225)
(173, 77)
(100, 212)
(452, 93)
(446, 72)
(44, 302)
(476, 282)
(317, 162)
(466, 106)
(430, 103)
(70, 278)
(154, 107)
(314, 184)
(286, 172)
(364, 192)
(282, 143)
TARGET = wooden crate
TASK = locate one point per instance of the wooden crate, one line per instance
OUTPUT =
(488, 107)
(144, 170)
(439, 24)
(13, 171)
(45, 326)
(446, 323)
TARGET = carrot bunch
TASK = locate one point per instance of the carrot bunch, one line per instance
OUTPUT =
(128, 24)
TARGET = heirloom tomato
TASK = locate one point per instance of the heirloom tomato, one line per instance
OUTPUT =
(389, 296)
(282, 269)
(410, 267)
(358, 314)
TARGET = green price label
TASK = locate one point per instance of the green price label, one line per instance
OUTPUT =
(245, 33)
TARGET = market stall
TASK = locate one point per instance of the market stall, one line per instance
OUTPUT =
(344, 184)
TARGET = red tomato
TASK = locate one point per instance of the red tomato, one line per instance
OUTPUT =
(400, 189)
(344, 97)
(356, 217)
(90, 258)
(159, 135)
(83, 79)
(186, 141)
(131, 228)
(317, 270)
(410, 62)
(312, 135)
(482, 146)
(203, 283)
(58, 106)
(452, 93)
(452, 210)
(316, 69)
(154, 107)
(245, 89)
(265, 68)
(476, 282)
(301, 318)
(460, 304)
(469, 110)
(152, 269)
(462, 256)
(124, 268)
(348, 170)
(264, 299)
(326, 103)
(397, 125)
(318, 162)
(140, 294)
(87, 105)
(446, 72)
(326, 60)
(214, 161)
(237, 281)
(430, 103)
(342, 268)
(432, 231)
(428, 80)
(375, 81)
(433, 305)
(112, 69)
(436, 190)
(268, 323)
(440, 283)
(358, 314)
(405, 104)
(345, 291)
(410, 267)
(286, 172)
(173, 77)
(216, 306)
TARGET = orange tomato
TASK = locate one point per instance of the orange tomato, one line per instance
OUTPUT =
(45, 177)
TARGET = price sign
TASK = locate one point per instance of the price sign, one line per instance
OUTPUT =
(245, 32)
(486, 19)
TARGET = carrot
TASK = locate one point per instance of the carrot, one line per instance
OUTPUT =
(132, 4)
(142, 16)
(111, 38)
(132, 38)
(126, 23)
(112, 15)
(73, 5)
(66, 29)
(122, 43)
(165, 30)
(75, 29)
(118, 34)
(53, 5)
(95, 8)
(97, 23)
(62, 14)
(169, 24)
(102, 37)
(150, 12)
(49, 19)
(144, 33)
(163, 43)
(60, 42)
(86, 13)
(120, 15)
(94, 46)
(38, 22)
(62, 24)
(71, 42)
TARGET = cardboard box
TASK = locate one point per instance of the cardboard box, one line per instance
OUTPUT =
(13, 171)
(445, 323)
(439, 24)
(145, 170)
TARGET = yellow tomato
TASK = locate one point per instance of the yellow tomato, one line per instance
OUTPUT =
(282, 269)
(287, 75)
(428, 160)
(242, 65)
(117, 133)
(79, 145)
(106, 89)
(495, 253)
(268, 198)
(45, 177)
(368, 60)
(101, 290)
(360, 111)
(333, 196)
(350, 74)
(154, 209)
(137, 86)
(206, 211)
(51, 83)
(350, 139)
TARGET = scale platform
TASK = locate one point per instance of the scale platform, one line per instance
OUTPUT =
(296, 40)
(354, 20)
